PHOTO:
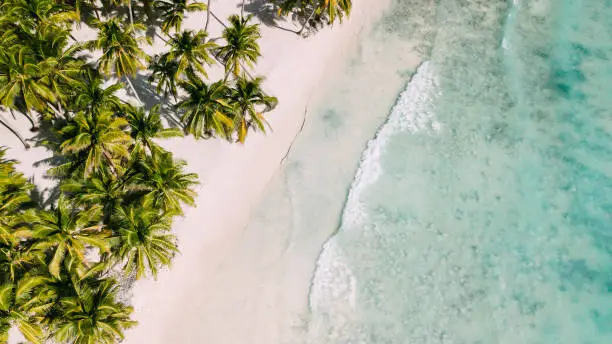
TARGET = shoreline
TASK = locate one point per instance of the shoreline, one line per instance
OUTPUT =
(173, 308)
(233, 179)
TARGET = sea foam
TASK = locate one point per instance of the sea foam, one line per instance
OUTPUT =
(412, 112)
(333, 289)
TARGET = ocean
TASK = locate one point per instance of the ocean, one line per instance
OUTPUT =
(481, 211)
(466, 200)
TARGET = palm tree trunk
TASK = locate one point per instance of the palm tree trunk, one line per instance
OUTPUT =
(96, 11)
(130, 12)
(307, 20)
(111, 162)
(15, 132)
(133, 89)
(160, 37)
(58, 112)
(219, 20)
(30, 119)
(207, 16)
(242, 9)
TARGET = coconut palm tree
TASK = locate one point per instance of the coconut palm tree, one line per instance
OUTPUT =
(164, 72)
(63, 66)
(14, 197)
(165, 183)
(90, 96)
(330, 9)
(21, 304)
(21, 84)
(146, 243)
(241, 44)
(248, 96)
(145, 126)
(100, 193)
(67, 231)
(32, 13)
(208, 11)
(95, 140)
(173, 12)
(16, 258)
(91, 314)
(191, 50)
(122, 56)
(335, 9)
(206, 108)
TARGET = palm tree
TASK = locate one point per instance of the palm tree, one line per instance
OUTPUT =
(247, 96)
(332, 9)
(14, 197)
(146, 126)
(208, 9)
(98, 139)
(92, 314)
(122, 56)
(146, 243)
(65, 230)
(100, 192)
(206, 108)
(166, 184)
(165, 73)
(63, 67)
(16, 258)
(32, 13)
(173, 12)
(90, 96)
(21, 84)
(21, 304)
(241, 46)
(191, 50)
(335, 9)
(79, 5)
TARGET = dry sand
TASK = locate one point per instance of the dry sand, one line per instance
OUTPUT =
(177, 308)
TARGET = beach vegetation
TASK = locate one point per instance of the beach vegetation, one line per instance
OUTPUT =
(69, 252)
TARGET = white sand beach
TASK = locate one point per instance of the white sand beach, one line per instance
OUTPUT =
(186, 304)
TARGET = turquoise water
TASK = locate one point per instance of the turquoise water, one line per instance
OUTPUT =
(481, 212)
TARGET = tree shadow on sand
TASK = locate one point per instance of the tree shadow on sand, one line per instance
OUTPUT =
(150, 98)
(303, 22)
(266, 12)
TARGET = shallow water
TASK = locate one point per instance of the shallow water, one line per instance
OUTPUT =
(481, 212)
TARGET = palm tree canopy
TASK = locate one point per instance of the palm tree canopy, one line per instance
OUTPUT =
(21, 81)
(146, 241)
(100, 192)
(14, 188)
(206, 108)
(241, 44)
(31, 13)
(15, 256)
(335, 9)
(90, 96)
(173, 12)
(121, 54)
(21, 303)
(92, 314)
(191, 50)
(331, 9)
(145, 126)
(251, 101)
(165, 73)
(98, 139)
(65, 230)
(166, 183)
